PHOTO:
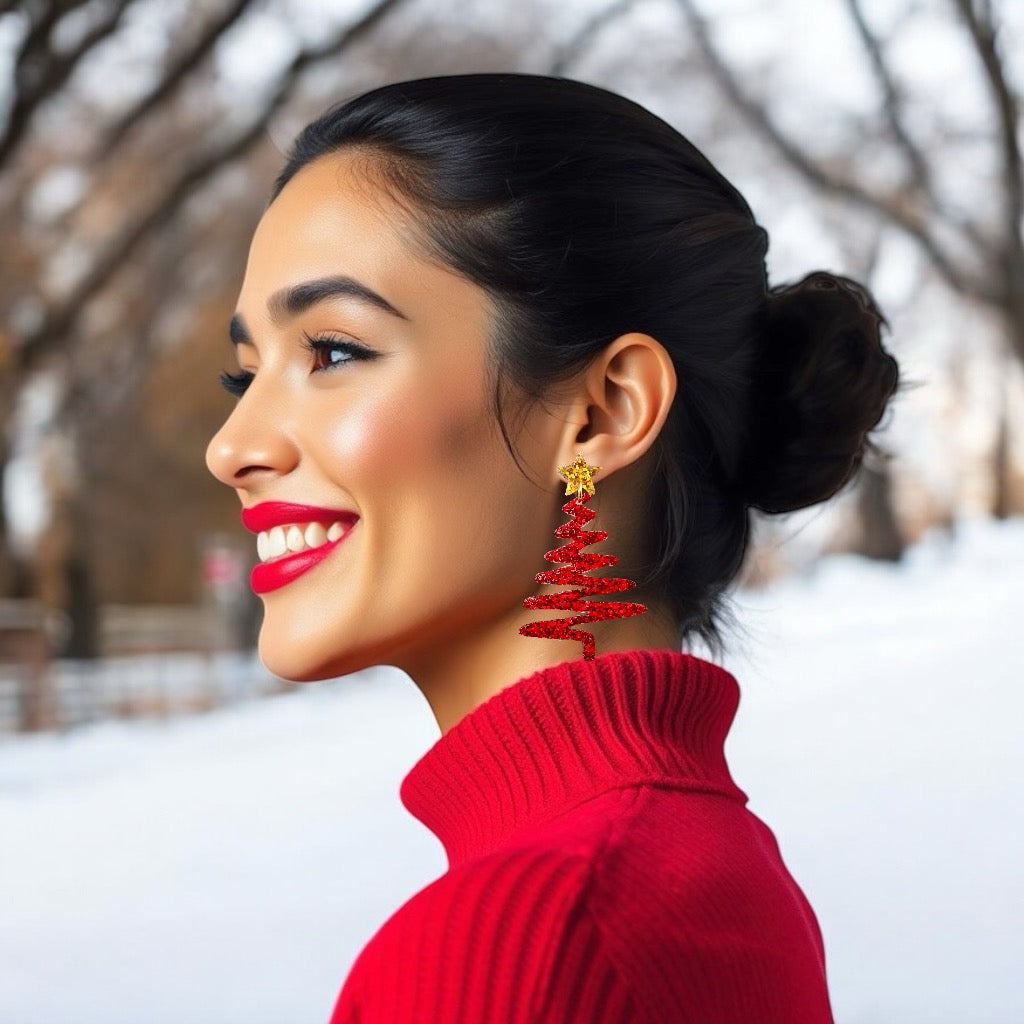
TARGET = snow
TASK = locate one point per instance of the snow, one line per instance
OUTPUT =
(228, 868)
(879, 737)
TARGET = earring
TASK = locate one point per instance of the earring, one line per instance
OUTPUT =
(579, 478)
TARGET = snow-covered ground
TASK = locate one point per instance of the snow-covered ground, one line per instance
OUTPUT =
(227, 868)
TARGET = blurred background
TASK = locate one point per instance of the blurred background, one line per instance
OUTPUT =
(138, 142)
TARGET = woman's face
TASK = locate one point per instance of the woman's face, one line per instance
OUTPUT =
(364, 449)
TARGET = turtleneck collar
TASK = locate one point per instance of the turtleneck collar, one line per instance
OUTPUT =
(569, 733)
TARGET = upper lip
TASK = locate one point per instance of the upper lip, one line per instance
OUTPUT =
(269, 514)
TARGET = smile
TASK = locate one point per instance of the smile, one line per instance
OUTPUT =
(291, 539)
(283, 540)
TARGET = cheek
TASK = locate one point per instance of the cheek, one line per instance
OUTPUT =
(457, 434)
(432, 442)
(438, 429)
(464, 447)
(366, 434)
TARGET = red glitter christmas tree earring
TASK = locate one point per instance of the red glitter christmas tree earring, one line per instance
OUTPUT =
(579, 478)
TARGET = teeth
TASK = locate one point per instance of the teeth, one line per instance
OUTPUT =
(297, 537)
(278, 545)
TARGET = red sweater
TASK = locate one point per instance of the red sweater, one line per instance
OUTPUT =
(603, 866)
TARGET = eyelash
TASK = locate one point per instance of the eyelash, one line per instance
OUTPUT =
(237, 383)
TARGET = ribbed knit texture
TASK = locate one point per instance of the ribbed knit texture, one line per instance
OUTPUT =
(603, 866)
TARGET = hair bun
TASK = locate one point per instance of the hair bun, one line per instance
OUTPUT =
(821, 384)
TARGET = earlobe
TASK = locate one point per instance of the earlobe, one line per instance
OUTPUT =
(625, 397)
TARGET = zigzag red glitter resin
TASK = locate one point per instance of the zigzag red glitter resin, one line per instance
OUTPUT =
(573, 575)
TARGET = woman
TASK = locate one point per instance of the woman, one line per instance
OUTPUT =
(460, 285)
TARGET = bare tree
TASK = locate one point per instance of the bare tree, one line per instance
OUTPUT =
(955, 244)
(977, 247)
(127, 211)
(911, 204)
(55, 327)
(41, 66)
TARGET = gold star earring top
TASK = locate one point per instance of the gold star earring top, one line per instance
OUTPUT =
(579, 476)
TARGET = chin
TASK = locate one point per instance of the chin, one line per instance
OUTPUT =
(300, 663)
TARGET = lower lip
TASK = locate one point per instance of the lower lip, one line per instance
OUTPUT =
(268, 576)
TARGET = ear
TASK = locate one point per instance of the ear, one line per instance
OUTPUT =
(620, 403)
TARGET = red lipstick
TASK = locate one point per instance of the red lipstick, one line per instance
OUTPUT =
(269, 514)
(268, 576)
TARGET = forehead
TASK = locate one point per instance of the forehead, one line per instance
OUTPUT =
(332, 210)
(335, 218)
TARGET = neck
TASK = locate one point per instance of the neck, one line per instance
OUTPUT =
(459, 674)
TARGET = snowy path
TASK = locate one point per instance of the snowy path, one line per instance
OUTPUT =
(226, 869)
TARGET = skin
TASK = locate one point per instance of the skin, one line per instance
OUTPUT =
(433, 577)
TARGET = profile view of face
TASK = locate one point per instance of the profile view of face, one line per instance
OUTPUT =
(390, 516)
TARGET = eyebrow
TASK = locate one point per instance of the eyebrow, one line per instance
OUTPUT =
(290, 302)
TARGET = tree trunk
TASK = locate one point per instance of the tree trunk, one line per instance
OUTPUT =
(15, 575)
(83, 617)
(880, 533)
(63, 574)
(1001, 467)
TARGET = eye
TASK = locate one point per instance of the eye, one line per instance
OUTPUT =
(236, 383)
(330, 352)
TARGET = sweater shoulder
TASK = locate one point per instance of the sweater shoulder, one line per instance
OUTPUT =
(506, 936)
(533, 881)
(643, 904)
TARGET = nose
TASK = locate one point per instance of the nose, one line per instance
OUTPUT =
(253, 445)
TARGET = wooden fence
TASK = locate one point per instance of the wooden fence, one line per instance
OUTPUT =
(156, 661)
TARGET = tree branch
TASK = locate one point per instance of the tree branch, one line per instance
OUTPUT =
(587, 32)
(29, 65)
(893, 207)
(40, 71)
(57, 326)
(178, 69)
(892, 104)
(981, 26)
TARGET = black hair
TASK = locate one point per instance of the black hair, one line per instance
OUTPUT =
(586, 217)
